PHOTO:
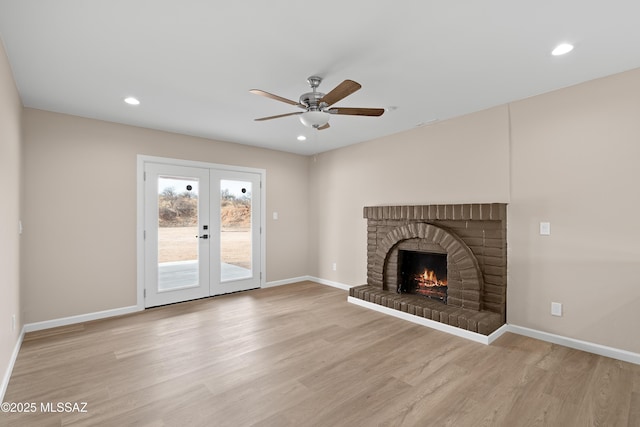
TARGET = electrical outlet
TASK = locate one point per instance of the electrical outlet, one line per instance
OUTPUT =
(275, 215)
(556, 309)
(334, 267)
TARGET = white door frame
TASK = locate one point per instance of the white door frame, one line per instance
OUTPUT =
(141, 160)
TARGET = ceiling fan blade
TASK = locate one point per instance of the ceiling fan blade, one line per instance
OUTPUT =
(277, 98)
(324, 126)
(278, 116)
(375, 112)
(341, 91)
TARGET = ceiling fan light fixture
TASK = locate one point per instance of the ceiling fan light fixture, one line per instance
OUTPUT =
(314, 119)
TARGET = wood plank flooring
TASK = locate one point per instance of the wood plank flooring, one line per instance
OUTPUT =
(300, 355)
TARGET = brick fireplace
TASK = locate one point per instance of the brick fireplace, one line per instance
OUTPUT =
(473, 239)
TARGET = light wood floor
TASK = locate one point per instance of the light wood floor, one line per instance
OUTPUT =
(300, 355)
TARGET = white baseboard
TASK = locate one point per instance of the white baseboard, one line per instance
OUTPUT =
(330, 283)
(287, 281)
(38, 326)
(305, 279)
(462, 333)
(12, 361)
(614, 353)
(310, 279)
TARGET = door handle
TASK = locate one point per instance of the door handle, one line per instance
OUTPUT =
(204, 236)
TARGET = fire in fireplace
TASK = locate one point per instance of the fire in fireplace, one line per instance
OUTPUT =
(423, 273)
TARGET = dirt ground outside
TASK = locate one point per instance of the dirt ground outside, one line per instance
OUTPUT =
(181, 244)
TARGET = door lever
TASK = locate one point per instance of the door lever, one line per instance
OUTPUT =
(204, 236)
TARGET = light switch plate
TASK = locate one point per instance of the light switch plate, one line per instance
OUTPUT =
(545, 228)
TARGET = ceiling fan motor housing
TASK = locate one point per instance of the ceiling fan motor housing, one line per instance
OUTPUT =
(312, 100)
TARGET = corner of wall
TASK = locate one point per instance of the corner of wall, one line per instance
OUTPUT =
(11, 171)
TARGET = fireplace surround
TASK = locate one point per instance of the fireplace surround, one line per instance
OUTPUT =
(473, 238)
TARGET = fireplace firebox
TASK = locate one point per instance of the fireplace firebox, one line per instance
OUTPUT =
(423, 273)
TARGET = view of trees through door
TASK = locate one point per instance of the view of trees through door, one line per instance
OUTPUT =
(235, 222)
(178, 227)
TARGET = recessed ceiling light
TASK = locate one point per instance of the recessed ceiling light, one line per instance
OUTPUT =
(132, 101)
(562, 49)
(302, 138)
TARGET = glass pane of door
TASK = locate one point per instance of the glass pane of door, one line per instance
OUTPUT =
(177, 233)
(235, 230)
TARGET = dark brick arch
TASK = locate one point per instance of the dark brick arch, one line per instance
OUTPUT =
(464, 275)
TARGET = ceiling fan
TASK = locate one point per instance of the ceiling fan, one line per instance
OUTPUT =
(318, 106)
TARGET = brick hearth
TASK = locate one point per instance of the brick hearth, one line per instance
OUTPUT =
(474, 238)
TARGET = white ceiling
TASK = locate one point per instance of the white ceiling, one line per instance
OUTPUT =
(192, 62)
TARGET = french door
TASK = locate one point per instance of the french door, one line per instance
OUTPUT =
(202, 232)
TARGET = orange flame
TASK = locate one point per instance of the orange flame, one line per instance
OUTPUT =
(429, 278)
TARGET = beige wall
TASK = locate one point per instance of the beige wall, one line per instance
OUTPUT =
(10, 177)
(80, 209)
(575, 155)
(572, 160)
(457, 161)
